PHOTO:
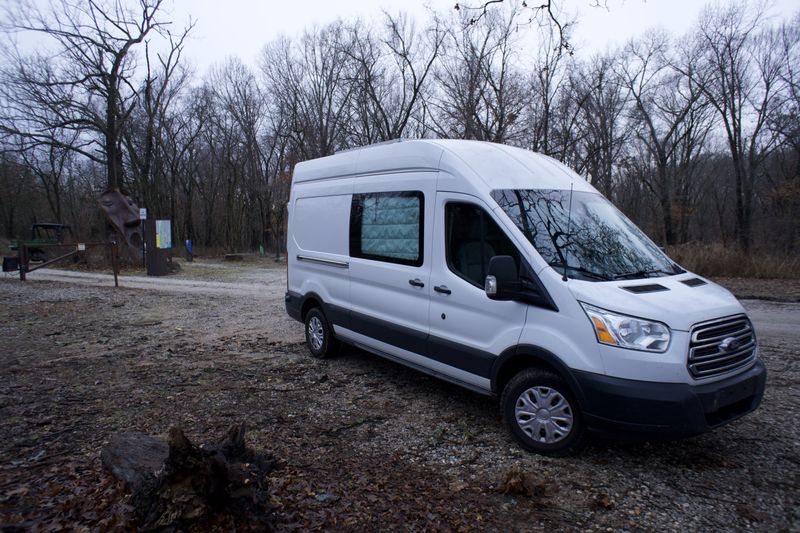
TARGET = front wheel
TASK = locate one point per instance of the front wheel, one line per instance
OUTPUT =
(319, 334)
(542, 414)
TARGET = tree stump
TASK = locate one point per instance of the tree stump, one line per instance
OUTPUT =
(175, 484)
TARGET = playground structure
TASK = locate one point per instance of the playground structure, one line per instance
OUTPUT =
(43, 234)
(24, 256)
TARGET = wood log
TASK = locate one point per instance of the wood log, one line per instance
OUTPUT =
(175, 484)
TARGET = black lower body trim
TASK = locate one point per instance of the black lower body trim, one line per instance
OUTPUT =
(462, 357)
(425, 370)
(337, 315)
(400, 336)
(441, 350)
(294, 305)
(295, 302)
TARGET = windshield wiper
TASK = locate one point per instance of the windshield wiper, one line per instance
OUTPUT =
(676, 269)
(642, 273)
(585, 272)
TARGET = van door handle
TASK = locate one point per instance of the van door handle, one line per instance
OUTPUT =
(442, 289)
(416, 283)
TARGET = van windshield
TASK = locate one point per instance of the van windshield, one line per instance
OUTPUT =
(600, 244)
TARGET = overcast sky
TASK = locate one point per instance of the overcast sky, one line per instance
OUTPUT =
(242, 27)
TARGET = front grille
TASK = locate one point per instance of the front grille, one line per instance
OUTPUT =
(721, 346)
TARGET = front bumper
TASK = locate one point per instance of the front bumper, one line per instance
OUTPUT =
(615, 405)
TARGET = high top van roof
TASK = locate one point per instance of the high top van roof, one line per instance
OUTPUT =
(495, 166)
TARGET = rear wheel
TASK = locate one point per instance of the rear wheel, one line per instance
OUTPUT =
(319, 334)
(542, 414)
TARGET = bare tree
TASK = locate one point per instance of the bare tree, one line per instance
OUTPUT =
(310, 78)
(785, 118)
(164, 81)
(178, 140)
(783, 172)
(669, 115)
(738, 68)
(481, 94)
(16, 184)
(238, 121)
(50, 164)
(391, 70)
(89, 87)
(543, 13)
(547, 80)
(209, 173)
(601, 135)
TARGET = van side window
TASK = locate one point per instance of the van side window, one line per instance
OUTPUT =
(472, 238)
(388, 226)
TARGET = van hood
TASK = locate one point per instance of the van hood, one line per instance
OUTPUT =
(666, 299)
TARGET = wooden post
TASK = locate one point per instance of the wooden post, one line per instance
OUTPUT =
(22, 258)
(115, 263)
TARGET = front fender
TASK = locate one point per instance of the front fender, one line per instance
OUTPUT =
(527, 355)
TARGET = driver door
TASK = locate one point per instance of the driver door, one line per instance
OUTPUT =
(467, 329)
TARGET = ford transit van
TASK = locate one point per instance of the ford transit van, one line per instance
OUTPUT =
(505, 272)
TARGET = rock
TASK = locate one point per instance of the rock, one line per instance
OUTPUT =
(326, 497)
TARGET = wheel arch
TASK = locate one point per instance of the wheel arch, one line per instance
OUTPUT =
(310, 301)
(518, 358)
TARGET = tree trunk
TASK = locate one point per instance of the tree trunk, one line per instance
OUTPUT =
(742, 218)
(112, 145)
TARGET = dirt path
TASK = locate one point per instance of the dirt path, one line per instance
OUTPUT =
(268, 284)
(775, 319)
(363, 444)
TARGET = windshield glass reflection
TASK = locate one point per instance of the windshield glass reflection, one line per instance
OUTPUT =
(600, 243)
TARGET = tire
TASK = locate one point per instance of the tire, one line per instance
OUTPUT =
(540, 430)
(319, 335)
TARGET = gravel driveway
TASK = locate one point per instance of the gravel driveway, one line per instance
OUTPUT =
(362, 444)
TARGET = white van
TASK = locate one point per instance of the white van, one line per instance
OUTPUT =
(503, 271)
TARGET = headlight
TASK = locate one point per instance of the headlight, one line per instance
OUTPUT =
(627, 331)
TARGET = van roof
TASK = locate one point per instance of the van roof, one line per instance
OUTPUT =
(497, 166)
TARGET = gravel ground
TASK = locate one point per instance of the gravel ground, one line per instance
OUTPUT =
(362, 444)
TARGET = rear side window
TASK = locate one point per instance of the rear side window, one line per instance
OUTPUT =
(388, 226)
(329, 212)
(472, 239)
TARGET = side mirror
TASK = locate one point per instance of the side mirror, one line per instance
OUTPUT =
(502, 281)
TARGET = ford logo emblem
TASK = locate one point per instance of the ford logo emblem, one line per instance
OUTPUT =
(729, 344)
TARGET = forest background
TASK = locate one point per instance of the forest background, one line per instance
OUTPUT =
(696, 137)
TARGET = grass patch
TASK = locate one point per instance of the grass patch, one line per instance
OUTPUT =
(716, 260)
